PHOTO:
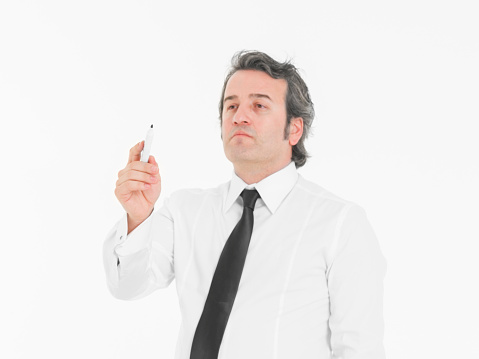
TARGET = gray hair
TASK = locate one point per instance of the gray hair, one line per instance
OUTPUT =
(298, 100)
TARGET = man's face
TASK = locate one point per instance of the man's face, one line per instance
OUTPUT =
(254, 118)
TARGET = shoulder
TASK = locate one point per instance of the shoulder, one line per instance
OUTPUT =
(328, 201)
(317, 192)
(349, 219)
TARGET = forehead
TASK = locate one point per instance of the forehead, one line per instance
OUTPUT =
(247, 82)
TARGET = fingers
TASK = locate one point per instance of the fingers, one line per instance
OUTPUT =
(135, 152)
(138, 176)
(127, 188)
(133, 180)
(150, 167)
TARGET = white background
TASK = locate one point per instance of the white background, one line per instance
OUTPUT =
(396, 89)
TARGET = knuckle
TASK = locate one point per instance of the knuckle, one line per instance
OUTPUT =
(127, 186)
(134, 165)
(118, 182)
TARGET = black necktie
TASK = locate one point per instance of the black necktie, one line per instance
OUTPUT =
(224, 286)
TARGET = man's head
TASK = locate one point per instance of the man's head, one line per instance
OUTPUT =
(259, 94)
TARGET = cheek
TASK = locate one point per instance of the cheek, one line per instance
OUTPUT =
(277, 131)
(269, 137)
(223, 126)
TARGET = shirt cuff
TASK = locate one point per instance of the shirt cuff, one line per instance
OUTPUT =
(136, 240)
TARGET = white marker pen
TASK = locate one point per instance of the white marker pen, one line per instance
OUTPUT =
(145, 154)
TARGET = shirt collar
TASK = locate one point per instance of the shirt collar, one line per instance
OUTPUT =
(272, 189)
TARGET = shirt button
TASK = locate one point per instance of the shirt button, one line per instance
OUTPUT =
(121, 237)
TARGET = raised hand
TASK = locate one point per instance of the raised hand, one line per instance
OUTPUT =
(138, 187)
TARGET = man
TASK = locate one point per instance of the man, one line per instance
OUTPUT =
(310, 285)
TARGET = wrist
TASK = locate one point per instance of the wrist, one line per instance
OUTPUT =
(134, 222)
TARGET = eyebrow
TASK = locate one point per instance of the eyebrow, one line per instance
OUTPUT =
(253, 95)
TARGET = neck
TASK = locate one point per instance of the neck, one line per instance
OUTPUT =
(253, 172)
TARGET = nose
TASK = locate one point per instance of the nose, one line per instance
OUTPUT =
(242, 116)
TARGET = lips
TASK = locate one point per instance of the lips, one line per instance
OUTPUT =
(240, 133)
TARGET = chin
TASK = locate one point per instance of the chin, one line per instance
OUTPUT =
(239, 155)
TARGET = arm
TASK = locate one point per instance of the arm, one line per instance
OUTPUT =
(138, 251)
(142, 261)
(355, 282)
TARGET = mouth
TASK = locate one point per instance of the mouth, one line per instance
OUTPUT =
(240, 133)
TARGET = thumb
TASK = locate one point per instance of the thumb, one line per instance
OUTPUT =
(152, 160)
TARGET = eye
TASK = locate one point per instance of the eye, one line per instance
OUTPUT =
(258, 105)
(231, 107)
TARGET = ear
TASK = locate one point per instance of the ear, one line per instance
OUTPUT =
(295, 130)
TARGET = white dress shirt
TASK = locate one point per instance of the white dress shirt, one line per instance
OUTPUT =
(312, 283)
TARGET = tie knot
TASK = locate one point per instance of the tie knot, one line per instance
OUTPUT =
(249, 198)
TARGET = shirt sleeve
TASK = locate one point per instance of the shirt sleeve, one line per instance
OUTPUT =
(141, 262)
(355, 283)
